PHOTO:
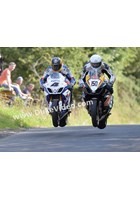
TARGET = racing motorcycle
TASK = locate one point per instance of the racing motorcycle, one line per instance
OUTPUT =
(100, 101)
(57, 90)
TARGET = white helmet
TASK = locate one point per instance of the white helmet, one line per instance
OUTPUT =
(95, 61)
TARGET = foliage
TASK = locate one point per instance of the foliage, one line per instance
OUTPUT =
(124, 62)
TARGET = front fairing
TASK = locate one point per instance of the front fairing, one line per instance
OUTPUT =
(95, 84)
(55, 84)
(56, 87)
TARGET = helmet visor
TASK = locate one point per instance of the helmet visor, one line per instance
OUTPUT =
(96, 65)
(56, 67)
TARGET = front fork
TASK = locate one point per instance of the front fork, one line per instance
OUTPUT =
(61, 109)
(59, 105)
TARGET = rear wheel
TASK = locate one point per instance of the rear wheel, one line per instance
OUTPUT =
(55, 114)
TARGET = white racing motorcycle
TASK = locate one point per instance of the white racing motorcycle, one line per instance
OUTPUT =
(58, 97)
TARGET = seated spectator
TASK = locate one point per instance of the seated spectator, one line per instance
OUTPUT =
(5, 78)
(28, 90)
(5, 81)
(17, 88)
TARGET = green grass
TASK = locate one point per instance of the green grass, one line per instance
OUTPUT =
(120, 115)
(22, 116)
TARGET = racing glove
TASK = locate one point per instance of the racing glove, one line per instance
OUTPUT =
(81, 84)
(70, 87)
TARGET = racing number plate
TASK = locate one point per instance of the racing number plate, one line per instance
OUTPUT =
(94, 84)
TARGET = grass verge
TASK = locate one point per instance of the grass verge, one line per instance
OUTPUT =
(20, 116)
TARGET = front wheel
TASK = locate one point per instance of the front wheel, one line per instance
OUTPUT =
(102, 124)
(63, 121)
(55, 114)
(93, 111)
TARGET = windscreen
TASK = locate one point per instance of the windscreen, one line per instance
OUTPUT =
(55, 75)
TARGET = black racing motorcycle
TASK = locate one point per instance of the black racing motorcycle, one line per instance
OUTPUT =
(98, 99)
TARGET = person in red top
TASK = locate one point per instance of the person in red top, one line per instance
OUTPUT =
(5, 78)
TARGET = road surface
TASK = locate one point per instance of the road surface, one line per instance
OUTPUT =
(114, 138)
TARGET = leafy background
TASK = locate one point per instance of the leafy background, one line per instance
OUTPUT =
(124, 62)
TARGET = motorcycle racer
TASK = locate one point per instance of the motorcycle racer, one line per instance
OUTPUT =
(99, 67)
(58, 66)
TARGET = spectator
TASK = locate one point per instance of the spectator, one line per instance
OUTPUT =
(5, 78)
(28, 90)
(17, 88)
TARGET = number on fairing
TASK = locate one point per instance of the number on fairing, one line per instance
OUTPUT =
(94, 83)
(55, 84)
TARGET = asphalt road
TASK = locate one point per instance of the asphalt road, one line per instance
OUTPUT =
(115, 138)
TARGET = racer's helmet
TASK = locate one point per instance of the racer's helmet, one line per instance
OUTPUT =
(56, 63)
(95, 61)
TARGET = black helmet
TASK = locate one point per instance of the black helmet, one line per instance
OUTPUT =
(56, 63)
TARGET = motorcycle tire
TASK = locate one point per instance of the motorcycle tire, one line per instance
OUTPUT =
(93, 110)
(63, 121)
(54, 114)
(102, 124)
